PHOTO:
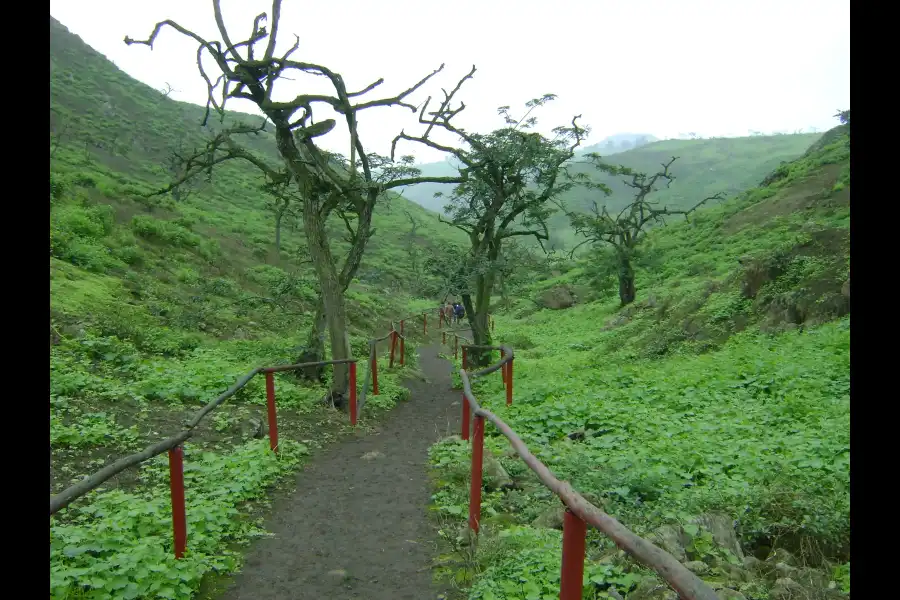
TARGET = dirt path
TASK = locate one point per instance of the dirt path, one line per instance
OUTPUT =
(358, 527)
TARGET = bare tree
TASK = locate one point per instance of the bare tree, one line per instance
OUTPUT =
(166, 91)
(328, 184)
(511, 174)
(625, 230)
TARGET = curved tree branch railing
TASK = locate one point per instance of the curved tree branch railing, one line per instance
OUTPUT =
(173, 444)
(578, 510)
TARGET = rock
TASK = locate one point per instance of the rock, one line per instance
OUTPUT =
(557, 298)
(784, 570)
(652, 588)
(729, 594)
(811, 578)
(751, 563)
(616, 321)
(735, 573)
(672, 539)
(496, 476)
(552, 518)
(576, 435)
(787, 589)
(371, 455)
(722, 529)
(254, 427)
(698, 567)
(780, 555)
(337, 573)
(757, 273)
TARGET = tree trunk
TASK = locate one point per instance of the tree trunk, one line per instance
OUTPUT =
(626, 280)
(331, 284)
(314, 350)
(478, 317)
(279, 215)
(331, 294)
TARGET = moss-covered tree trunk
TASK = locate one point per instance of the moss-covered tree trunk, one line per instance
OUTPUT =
(332, 297)
(626, 278)
(331, 293)
(279, 216)
(314, 348)
(478, 315)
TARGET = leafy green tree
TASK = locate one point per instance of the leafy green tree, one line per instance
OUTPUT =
(508, 178)
(328, 184)
(519, 266)
(626, 230)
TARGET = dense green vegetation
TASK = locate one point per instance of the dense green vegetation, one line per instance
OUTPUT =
(158, 306)
(723, 389)
(721, 392)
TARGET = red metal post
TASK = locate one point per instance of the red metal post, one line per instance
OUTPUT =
(374, 368)
(353, 394)
(509, 381)
(464, 434)
(477, 464)
(464, 358)
(424, 323)
(503, 367)
(393, 347)
(571, 579)
(273, 417)
(176, 484)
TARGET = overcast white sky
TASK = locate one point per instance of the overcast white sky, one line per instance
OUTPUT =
(664, 67)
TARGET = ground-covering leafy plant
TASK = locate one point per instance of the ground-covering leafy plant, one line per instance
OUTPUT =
(119, 544)
(708, 397)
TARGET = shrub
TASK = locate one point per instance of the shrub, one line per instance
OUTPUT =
(166, 232)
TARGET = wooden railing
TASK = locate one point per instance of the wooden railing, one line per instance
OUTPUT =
(578, 512)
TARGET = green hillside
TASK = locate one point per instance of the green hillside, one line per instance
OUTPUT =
(423, 194)
(704, 168)
(620, 142)
(722, 392)
(157, 306)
